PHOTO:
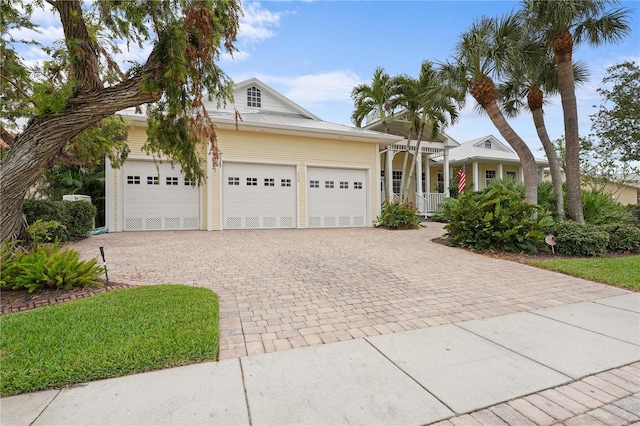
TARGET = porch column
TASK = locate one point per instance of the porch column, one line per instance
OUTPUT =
(540, 174)
(476, 176)
(521, 174)
(419, 189)
(209, 192)
(446, 172)
(500, 171)
(427, 174)
(388, 172)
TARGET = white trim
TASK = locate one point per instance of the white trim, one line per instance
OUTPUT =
(108, 189)
(476, 176)
(378, 184)
(209, 192)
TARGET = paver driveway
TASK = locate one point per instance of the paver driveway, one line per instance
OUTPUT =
(281, 289)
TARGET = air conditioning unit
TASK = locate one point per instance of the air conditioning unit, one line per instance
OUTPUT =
(75, 197)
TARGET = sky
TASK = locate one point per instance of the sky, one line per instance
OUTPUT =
(315, 52)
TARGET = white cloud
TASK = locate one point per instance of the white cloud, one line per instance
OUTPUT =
(256, 26)
(317, 88)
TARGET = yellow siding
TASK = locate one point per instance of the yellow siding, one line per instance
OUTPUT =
(116, 206)
(136, 138)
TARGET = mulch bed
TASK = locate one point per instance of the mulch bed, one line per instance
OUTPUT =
(22, 300)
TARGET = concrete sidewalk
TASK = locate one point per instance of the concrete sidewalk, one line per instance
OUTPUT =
(541, 367)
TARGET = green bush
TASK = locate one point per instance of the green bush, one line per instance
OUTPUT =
(580, 240)
(79, 217)
(624, 238)
(399, 215)
(45, 266)
(634, 211)
(76, 217)
(600, 209)
(497, 217)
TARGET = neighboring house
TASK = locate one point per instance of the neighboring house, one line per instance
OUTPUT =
(482, 160)
(625, 190)
(485, 159)
(282, 167)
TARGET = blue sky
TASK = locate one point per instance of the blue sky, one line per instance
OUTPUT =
(315, 52)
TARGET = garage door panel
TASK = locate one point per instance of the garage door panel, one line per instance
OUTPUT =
(158, 198)
(259, 196)
(336, 197)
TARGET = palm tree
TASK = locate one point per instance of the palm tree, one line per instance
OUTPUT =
(377, 97)
(430, 104)
(481, 55)
(562, 25)
(534, 76)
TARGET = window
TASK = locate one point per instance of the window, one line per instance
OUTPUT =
(172, 180)
(189, 182)
(381, 180)
(233, 181)
(328, 184)
(269, 182)
(489, 175)
(133, 180)
(344, 185)
(511, 175)
(357, 185)
(440, 182)
(153, 180)
(252, 181)
(285, 182)
(397, 181)
(314, 184)
(487, 144)
(253, 97)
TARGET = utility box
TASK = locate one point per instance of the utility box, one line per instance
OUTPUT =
(76, 197)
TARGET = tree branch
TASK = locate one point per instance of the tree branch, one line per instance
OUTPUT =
(18, 88)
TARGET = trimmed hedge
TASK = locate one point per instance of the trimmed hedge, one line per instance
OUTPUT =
(624, 238)
(76, 217)
(575, 239)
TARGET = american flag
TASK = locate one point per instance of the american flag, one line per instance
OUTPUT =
(462, 181)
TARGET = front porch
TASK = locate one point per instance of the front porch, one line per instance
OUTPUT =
(427, 189)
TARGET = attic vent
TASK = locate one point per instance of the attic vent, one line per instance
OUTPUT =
(487, 144)
(253, 97)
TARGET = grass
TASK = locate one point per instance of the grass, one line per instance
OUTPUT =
(619, 271)
(109, 335)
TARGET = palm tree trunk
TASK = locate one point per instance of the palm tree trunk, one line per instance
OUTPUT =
(563, 48)
(527, 160)
(404, 170)
(415, 158)
(554, 162)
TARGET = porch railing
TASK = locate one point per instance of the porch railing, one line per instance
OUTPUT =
(429, 202)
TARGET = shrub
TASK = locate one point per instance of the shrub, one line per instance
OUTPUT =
(76, 217)
(495, 217)
(580, 240)
(634, 211)
(624, 238)
(79, 217)
(600, 209)
(45, 266)
(399, 215)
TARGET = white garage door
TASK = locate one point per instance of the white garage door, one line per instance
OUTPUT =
(258, 196)
(155, 201)
(336, 197)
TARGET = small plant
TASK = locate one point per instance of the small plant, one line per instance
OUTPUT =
(41, 231)
(399, 215)
(45, 266)
(600, 209)
(580, 240)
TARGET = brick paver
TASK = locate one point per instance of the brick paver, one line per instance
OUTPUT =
(622, 409)
(325, 285)
(292, 288)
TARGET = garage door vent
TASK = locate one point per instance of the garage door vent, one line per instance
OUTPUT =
(234, 223)
(172, 223)
(251, 222)
(133, 224)
(153, 223)
(190, 223)
(286, 222)
(269, 222)
(344, 221)
(329, 221)
(314, 222)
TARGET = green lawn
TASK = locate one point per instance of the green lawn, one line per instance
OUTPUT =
(620, 271)
(109, 335)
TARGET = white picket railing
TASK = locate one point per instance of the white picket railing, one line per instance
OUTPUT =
(429, 202)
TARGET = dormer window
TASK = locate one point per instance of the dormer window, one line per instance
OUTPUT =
(253, 97)
(487, 144)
